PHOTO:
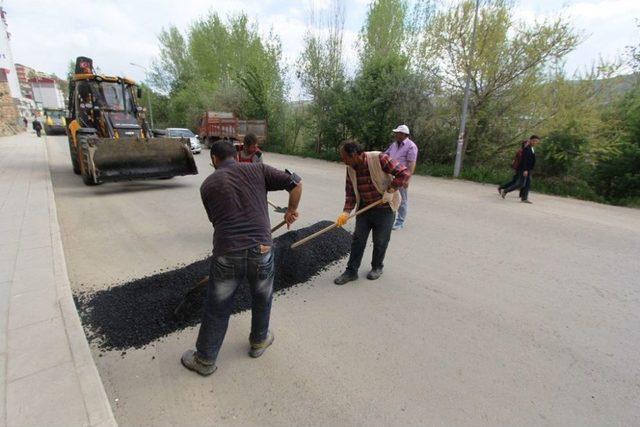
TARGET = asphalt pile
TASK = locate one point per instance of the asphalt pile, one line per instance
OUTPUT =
(136, 313)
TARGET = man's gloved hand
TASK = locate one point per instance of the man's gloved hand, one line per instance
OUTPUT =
(387, 197)
(342, 219)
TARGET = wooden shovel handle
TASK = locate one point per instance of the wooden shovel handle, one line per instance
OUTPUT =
(284, 221)
(334, 225)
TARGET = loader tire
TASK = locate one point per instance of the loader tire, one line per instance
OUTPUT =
(74, 157)
(84, 165)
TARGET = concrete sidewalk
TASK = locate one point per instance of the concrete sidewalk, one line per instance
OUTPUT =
(47, 374)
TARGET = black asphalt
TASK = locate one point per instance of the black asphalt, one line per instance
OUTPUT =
(136, 313)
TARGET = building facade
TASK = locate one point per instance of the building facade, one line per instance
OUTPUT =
(10, 120)
(6, 57)
(46, 92)
(43, 89)
(23, 72)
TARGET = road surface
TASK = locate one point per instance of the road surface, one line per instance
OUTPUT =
(489, 311)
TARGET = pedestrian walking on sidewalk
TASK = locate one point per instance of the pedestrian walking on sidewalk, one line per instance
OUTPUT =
(405, 151)
(371, 176)
(37, 126)
(527, 164)
(235, 199)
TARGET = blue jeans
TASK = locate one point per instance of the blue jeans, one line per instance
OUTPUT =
(227, 272)
(401, 215)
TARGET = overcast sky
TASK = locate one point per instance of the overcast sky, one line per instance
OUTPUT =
(46, 34)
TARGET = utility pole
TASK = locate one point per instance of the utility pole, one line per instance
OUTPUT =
(465, 104)
(148, 95)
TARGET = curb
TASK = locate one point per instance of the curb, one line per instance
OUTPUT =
(95, 398)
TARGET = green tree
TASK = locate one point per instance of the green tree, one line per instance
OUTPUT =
(617, 174)
(173, 67)
(322, 76)
(221, 65)
(376, 93)
(506, 71)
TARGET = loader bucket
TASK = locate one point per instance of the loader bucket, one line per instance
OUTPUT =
(135, 158)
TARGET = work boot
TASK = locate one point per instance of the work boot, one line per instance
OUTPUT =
(257, 349)
(191, 361)
(345, 277)
(374, 274)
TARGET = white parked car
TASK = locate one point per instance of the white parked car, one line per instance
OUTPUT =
(196, 147)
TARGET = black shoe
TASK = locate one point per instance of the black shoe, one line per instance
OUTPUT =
(191, 361)
(257, 349)
(526, 201)
(345, 277)
(374, 274)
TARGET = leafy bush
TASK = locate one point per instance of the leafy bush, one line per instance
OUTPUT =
(559, 152)
(618, 177)
(568, 186)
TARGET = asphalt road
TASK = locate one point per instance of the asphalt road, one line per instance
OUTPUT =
(489, 311)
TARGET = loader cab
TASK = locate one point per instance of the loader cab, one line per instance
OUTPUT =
(108, 105)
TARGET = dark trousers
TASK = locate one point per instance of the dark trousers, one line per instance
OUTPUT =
(524, 191)
(519, 182)
(227, 272)
(378, 221)
(514, 179)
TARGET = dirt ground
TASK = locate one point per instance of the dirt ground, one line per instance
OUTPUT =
(489, 311)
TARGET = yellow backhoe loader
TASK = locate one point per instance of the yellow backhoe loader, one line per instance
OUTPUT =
(109, 137)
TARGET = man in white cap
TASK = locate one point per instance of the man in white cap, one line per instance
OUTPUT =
(405, 151)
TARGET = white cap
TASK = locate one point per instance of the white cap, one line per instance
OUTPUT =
(403, 129)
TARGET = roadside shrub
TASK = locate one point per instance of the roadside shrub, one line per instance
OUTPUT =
(568, 186)
(558, 153)
(617, 178)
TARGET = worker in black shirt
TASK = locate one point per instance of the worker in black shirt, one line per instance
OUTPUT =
(235, 199)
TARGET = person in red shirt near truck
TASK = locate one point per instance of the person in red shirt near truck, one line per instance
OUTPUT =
(250, 152)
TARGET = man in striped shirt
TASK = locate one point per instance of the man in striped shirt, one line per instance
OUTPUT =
(371, 176)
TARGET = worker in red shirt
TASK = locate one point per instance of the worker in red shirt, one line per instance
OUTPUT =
(250, 152)
(371, 176)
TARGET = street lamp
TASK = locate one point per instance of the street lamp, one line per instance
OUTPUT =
(148, 95)
(465, 104)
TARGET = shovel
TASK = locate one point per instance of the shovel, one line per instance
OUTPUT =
(334, 225)
(276, 208)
